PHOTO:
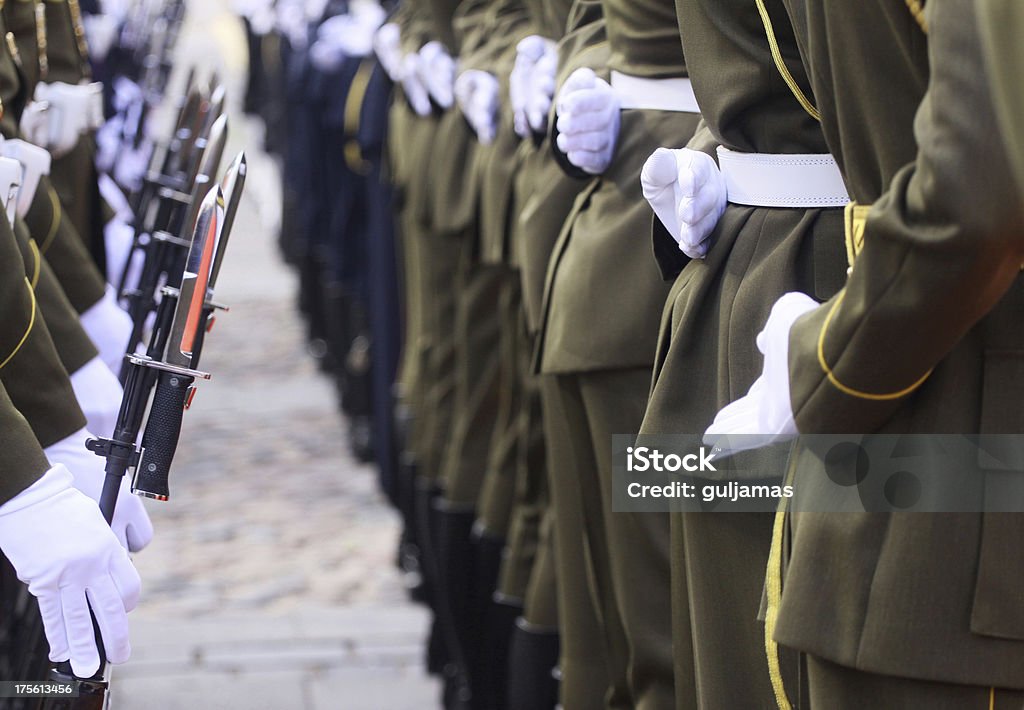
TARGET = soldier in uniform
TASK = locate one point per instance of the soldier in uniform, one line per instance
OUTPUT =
(774, 235)
(526, 584)
(595, 349)
(46, 219)
(52, 533)
(901, 609)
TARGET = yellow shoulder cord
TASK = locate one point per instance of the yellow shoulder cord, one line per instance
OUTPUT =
(850, 390)
(353, 108)
(44, 60)
(855, 217)
(55, 215)
(773, 591)
(773, 45)
(79, 28)
(28, 330)
(12, 47)
(916, 8)
(37, 261)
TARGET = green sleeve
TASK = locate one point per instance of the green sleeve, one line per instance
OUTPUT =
(942, 246)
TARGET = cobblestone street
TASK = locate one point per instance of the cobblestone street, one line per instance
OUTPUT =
(270, 583)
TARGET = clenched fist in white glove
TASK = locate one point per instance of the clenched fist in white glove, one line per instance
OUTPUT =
(541, 90)
(131, 524)
(764, 415)
(477, 94)
(109, 328)
(60, 546)
(588, 121)
(412, 84)
(387, 46)
(437, 73)
(688, 193)
(528, 87)
(349, 35)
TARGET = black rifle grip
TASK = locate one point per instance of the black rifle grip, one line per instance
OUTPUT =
(161, 437)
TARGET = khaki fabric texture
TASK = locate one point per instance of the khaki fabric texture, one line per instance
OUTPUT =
(644, 38)
(73, 344)
(544, 193)
(838, 688)
(1000, 23)
(64, 249)
(498, 494)
(540, 606)
(601, 270)
(23, 461)
(625, 555)
(33, 375)
(475, 404)
(947, 260)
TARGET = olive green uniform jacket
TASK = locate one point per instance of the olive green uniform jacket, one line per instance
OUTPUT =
(924, 338)
(57, 239)
(603, 294)
(30, 369)
(24, 461)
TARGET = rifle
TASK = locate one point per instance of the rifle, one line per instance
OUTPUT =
(164, 252)
(173, 375)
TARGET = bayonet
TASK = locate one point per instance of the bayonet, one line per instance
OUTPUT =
(232, 186)
(175, 381)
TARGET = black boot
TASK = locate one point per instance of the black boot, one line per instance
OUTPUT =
(532, 659)
(489, 661)
(455, 590)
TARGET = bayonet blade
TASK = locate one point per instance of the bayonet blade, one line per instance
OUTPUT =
(231, 186)
(213, 152)
(188, 315)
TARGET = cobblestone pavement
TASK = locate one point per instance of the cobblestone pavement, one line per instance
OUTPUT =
(270, 583)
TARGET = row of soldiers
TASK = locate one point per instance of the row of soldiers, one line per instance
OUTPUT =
(64, 237)
(656, 217)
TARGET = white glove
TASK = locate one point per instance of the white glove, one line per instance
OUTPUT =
(588, 121)
(541, 90)
(387, 46)
(113, 196)
(99, 394)
(59, 544)
(118, 238)
(326, 55)
(688, 193)
(60, 114)
(132, 164)
(412, 84)
(764, 415)
(291, 21)
(35, 163)
(131, 524)
(348, 35)
(10, 187)
(528, 52)
(437, 72)
(100, 33)
(477, 94)
(35, 123)
(109, 328)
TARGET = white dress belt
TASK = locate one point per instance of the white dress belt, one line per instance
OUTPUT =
(782, 180)
(675, 94)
